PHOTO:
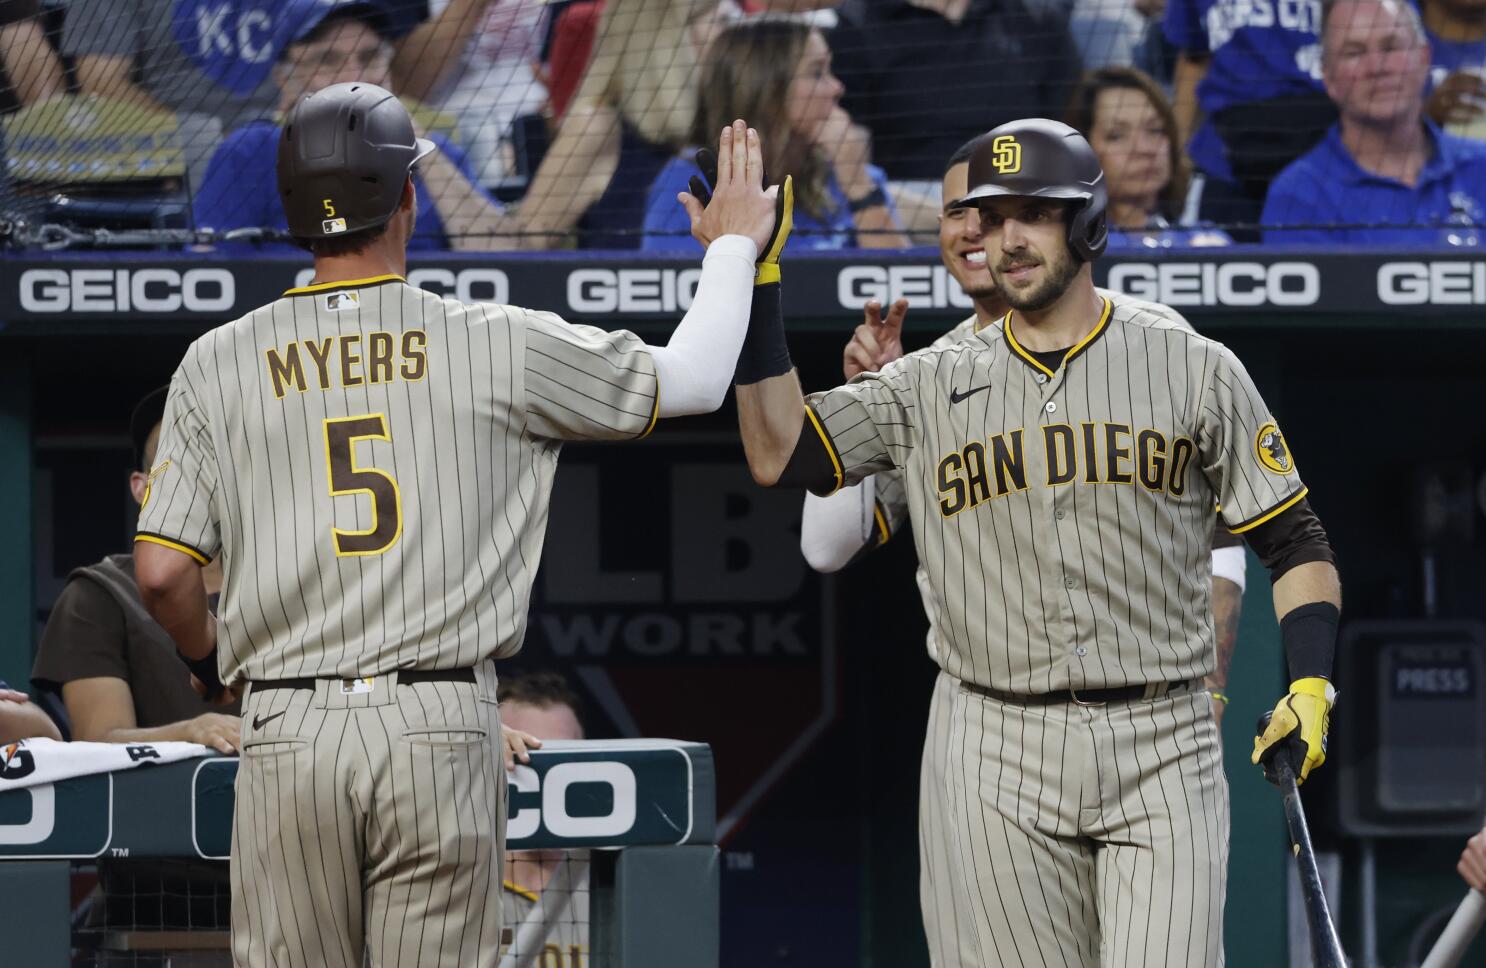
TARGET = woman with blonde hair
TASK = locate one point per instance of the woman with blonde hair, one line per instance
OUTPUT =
(634, 106)
(776, 74)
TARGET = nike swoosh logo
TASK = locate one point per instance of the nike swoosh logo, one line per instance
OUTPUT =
(955, 396)
(261, 721)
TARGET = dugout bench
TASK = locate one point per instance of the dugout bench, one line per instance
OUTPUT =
(646, 807)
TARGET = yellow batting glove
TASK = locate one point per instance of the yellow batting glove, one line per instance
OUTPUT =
(767, 270)
(1297, 729)
(767, 267)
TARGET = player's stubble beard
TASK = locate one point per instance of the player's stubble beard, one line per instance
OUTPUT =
(1058, 276)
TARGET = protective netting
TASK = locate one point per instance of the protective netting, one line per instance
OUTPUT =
(569, 123)
(151, 914)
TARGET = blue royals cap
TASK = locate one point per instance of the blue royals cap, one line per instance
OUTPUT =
(303, 17)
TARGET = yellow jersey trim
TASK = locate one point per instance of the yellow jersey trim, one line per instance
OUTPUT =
(173, 545)
(825, 438)
(1274, 512)
(884, 532)
(344, 284)
(1074, 351)
(520, 891)
(654, 411)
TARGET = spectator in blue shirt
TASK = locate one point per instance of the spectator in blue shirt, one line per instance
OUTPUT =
(1385, 168)
(1249, 71)
(1131, 127)
(334, 43)
(776, 73)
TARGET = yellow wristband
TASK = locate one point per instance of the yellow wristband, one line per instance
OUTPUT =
(1220, 697)
(1312, 686)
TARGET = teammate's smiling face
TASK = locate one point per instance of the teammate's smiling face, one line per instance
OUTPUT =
(1027, 244)
(961, 245)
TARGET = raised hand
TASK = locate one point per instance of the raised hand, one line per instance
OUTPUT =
(877, 341)
(739, 204)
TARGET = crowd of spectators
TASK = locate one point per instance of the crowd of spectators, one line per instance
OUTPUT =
(568, 123)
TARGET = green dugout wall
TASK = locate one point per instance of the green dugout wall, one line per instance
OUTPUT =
(1372, 363)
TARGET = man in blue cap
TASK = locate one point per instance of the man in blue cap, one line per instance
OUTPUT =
(335, 42)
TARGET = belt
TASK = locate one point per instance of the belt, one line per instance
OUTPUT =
(467, 674)
(1087, 697)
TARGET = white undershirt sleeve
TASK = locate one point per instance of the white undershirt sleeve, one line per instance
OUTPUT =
(695, 368)
(834, 529)
(1231, 563)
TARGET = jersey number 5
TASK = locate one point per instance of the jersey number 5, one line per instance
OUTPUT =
(341, 434)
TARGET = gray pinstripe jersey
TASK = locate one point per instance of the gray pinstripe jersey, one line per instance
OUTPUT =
(1064, 520)
(374, 464)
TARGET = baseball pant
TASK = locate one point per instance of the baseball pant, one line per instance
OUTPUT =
(1072, 835)
(369, 825)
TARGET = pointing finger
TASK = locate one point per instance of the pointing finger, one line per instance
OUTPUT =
(872, 312)
(755, 161)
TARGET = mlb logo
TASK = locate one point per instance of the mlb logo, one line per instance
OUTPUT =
(338, 301)
(356, 687)
(331, 226)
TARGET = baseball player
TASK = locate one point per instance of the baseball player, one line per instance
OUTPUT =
(835, 530)
(374, 465)
(1061, 472)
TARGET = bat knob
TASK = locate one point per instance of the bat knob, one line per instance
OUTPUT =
(1263, 722)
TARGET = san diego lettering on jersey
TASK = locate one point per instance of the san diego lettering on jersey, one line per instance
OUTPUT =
(349, 360)
(1096, 453)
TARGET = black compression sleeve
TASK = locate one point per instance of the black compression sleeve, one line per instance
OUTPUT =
(1293, 537)
(764, 353)
(812, 464)
(1309, 634)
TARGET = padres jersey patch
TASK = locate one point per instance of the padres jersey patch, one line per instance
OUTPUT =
(1272, 451)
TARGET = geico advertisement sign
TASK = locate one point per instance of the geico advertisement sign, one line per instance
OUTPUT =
(553, 814)
(464, 285)
(925, 287)
(153, 290)
(632, 290)
(1432, 283)
(1242, 284)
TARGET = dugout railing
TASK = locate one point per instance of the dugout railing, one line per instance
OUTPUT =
(645, 809)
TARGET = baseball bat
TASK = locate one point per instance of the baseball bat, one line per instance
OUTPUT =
(1326, 946)
(1459, 933)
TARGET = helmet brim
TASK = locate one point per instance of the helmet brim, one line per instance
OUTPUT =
(1061, 192)
(425, 148)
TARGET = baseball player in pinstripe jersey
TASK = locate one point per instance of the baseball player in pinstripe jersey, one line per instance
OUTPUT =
(1061, 472)
(373, 463)
(836, 530)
